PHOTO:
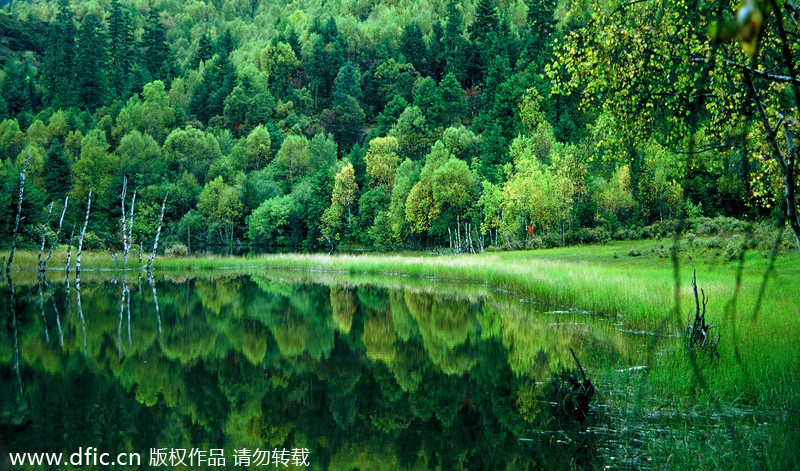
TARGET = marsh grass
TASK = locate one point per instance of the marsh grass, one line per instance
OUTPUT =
(736, 412)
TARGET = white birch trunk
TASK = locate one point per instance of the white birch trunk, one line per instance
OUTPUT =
(58, 233)
(158, 233)
(80, 240)
(19, 213)
(44, 237)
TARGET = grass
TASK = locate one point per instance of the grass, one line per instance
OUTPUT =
(759, 367)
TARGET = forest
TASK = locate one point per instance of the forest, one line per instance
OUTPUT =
(394, 125)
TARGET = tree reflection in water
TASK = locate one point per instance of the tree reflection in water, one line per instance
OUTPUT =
(364, 376)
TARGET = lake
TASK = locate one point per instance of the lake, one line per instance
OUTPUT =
(323, 371)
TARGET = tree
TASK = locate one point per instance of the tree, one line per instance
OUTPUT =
(343, 196)
(344, 121)
(58, 72)
(293, 159)
(219, 80)
(204, 52)
(90, 63)
(382, 161)
(453, 101)
(56, 172)
(485, 24)
(120, 35)
(455, 45)
(675, 86)
(16, 87)
(157, 55)
(529, 195)
(268, 221)
(190, 150)
(614, 198)
(346, 84)
(322, 150)
(259, 147)
(221, 203)
(428, 99)
(412, 45)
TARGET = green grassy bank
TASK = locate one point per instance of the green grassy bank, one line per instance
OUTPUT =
(753, 388)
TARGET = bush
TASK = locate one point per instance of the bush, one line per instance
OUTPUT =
(177, 250)
(717, 225)
(734, 247)
(591, 235)
(712, 243)
(92, 242)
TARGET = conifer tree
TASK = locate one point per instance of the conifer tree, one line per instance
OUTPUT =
(205, 51)
(56, 172)
(120, 35)
(91, 62)
(157, 55)
(57, 72)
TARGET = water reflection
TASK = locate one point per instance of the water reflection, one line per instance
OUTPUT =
(364, 376)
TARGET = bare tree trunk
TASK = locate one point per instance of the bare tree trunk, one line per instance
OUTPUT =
(41, 311)
(130, 233)
(80, 310)
(189, 237)
(58, 233)
(789, 183)
(19, 213)
(158, 312)
(80, 240)
(124, 231)
(13, 304)
(158, 233)
(44, 237)
(55, 309)
(69, 254)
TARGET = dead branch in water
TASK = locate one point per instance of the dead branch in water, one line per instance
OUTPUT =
(697, 333)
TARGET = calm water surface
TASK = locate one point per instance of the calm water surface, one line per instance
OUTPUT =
(402, 375)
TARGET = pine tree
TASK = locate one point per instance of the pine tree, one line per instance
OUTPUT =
(91, 61)
(454, 104)
(485, 23)
(57, 172)
(436, 52)
(346, 84)
(58, 69)
(15, 88)
(413, 46)
(225, 44)
(204, 53)
(158, 57)
(455, 45)
(120, 35)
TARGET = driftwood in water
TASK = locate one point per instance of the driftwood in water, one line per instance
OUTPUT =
(54, 242)
(158, 233)
(80, 240)
(569, 395)
(697, 333)
(44, 237)
(19, 213)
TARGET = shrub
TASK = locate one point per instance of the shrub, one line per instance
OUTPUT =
(733, 247)
(591, 235)
(177, 250)
(92, 242)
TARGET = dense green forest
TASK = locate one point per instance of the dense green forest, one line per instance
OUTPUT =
(518, 123)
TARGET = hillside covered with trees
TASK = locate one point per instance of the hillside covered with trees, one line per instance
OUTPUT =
(519, 123)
